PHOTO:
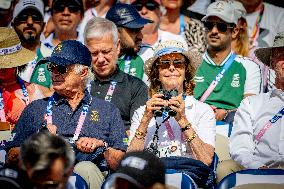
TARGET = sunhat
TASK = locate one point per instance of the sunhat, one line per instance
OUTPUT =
(169, 47)
(12, 54)
(264, 54)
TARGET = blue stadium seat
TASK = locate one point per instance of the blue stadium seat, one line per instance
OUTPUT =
(179, 180)
(252, 176)
(77, 181)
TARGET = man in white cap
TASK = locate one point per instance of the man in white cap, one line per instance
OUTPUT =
(232, 77)
(28, 22)
(257, 140)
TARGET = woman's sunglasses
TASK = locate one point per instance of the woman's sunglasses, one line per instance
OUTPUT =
(57, 68)
(150, 6)
(222, 27)
(61, 7)
(165, 64)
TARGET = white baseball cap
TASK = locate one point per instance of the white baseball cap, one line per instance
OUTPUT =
(28, 4)
(240, 9)
(222, 9)
(5, 4)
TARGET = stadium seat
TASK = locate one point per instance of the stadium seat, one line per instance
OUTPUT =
(77, 181)
(252, 176)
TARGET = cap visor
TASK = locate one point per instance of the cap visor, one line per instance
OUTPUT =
(56, 60)
(138, 23)
(218, 15)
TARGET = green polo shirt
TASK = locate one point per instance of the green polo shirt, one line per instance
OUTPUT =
(132, 65)
(229, 92)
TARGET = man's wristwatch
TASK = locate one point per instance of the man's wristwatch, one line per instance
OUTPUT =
(105, 146)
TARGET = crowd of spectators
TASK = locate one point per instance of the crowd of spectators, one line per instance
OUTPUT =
(104, 89)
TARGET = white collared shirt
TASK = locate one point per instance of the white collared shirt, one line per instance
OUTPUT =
(199, 114)
(253, 113)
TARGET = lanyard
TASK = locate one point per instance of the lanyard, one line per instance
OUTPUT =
(48, 117)
(127, 63)
(110, 91)
(181, 21)
(25, 99)
(219, 76)
(256, 28)
(274, 119)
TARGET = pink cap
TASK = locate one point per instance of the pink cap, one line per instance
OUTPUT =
(157, 1)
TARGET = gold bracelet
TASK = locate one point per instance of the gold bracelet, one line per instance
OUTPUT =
(189, 139)
(186, 127)
(140, 137)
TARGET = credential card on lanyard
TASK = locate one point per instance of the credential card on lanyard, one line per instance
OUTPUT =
(219, 76)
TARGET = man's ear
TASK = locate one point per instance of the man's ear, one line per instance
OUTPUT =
(235, 32)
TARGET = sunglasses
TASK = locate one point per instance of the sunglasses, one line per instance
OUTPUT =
(24, 18)
(150, 6)
(165, 64)
(222, 27)
(61, 7)
(57, 68)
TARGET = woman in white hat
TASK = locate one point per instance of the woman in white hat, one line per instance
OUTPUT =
(15, 94)
(180, 125)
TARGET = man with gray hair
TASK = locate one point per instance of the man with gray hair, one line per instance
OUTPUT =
(94, 127)
(127, 92)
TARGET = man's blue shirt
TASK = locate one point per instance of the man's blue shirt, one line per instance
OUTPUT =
(103, 121)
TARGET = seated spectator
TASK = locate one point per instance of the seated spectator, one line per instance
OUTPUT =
(111, 84)
(264, 22)
(66, 16)
(190, 29)
(223, 79)
(152, 35)
(6, 12)
(240, 42)
(94, 127)
(173, 123)
(129, 24)
(138, 170)
(48, 161)
(15, 94)
(257, 136)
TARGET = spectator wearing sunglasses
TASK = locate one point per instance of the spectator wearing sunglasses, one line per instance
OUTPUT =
(239, 78)
(129, 24)
(190, 29)
(6, 12)
(66, 16)
(152, 35)
(93, 126)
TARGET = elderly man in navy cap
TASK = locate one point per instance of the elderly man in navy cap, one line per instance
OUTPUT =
(129, 24)
(94, 127)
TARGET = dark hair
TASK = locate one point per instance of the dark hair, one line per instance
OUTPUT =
(40, 150)
(188, 84)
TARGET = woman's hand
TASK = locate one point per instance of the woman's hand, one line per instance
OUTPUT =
(155, 103)
(177, 104)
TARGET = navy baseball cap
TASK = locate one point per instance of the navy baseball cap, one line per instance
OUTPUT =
(70, 52)
(125, 15)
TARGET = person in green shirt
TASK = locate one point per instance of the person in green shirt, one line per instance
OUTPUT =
(242, 78)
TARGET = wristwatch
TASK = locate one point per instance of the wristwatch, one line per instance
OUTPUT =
(105, 146)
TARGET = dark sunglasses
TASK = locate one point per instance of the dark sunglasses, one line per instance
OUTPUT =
(57, 68)
(60, 8)
(24, 18)
(222, 27)
(150, 6)
(165, 64)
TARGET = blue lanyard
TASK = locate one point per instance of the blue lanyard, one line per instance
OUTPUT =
(25, 99)
(181, 21)
(85, 109)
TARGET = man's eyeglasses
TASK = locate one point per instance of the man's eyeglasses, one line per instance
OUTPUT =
(222, 27)
(165, 64)
(61, 7)
(24, 18)
(150, 6)
(57, 68)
